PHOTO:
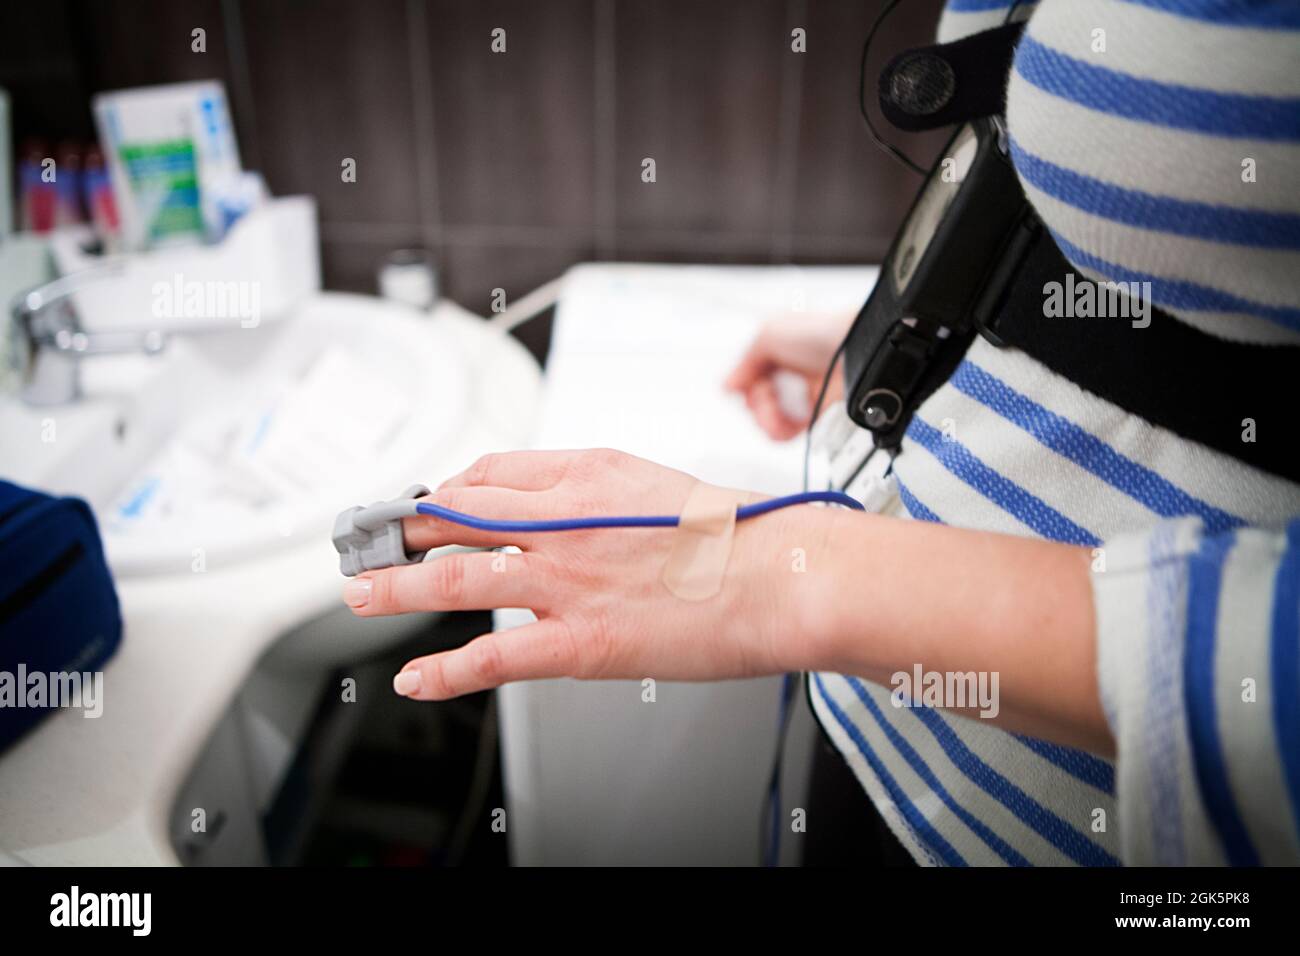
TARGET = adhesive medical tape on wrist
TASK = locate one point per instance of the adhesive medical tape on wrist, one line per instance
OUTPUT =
(702, 542)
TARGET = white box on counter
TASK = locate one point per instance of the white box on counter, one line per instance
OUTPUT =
(267, 262)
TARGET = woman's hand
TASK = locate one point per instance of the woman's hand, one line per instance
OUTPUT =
(603, 610)
(805, 589)
(797, 345)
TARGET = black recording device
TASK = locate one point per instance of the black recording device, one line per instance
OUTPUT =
(940, 282)
(973, 258)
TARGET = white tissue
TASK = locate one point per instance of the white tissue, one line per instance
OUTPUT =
(312, 432)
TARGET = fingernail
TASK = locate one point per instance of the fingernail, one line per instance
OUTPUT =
(356, 593)
(407, 683)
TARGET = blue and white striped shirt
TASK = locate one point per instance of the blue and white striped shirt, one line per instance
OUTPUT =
(1160, 142)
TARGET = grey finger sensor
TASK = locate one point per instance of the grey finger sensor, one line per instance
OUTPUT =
(370, 539)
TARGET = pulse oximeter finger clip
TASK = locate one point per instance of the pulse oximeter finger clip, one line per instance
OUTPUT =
(370, 539)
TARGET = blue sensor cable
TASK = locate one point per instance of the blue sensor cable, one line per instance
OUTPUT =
(628, 521)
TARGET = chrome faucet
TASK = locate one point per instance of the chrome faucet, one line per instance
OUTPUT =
(47, 342)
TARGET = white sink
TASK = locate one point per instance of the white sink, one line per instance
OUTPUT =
(230, 445)
(268, 612)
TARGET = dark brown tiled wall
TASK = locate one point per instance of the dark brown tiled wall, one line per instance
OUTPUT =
(513, 166)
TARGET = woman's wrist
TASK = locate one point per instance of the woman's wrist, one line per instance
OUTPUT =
(777, 610)
(859, 623)
(798, 565)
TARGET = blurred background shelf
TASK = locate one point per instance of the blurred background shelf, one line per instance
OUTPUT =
(512, 167)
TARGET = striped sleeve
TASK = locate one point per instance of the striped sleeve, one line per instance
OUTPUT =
(1199, 668)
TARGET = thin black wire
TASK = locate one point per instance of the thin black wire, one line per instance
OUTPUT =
(817, 408)
(889, 148)
(769, 824)
(879, 140)
(772, 796)
(480, 784)
(769, 829)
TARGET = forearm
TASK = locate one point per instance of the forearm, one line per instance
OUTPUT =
(899, 594)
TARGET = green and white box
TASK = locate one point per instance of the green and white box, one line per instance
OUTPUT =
(169, 149)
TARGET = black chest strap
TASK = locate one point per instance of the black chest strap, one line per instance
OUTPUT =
(1234, 397)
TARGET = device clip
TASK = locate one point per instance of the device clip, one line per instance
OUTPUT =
(370, 539)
